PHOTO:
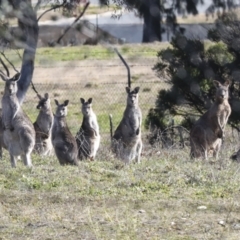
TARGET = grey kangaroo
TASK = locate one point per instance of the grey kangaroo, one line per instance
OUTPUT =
(63, 141)
(2, 144)
(126, 140)
(208, 131)
(18, 130)
(43, 126)
(88, 137)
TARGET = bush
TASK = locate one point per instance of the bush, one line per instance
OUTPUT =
(189, 69)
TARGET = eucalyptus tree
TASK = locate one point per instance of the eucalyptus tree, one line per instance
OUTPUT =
(26, 36)
(154, 11)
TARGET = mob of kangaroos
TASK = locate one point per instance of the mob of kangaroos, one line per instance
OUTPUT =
(126, 140)
(208, 131)
(43, 126)
(63, 141)
(88, 137)
(18, 130)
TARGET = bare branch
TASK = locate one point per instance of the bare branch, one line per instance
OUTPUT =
(19, 55)
(5, 66)
(9, 62)
(126, 65)
(50, 9)
(34, 89)
(69, 27)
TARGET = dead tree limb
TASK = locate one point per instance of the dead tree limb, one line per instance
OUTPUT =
(34, 89)
(52, 8)
(126, 65)
(69, 27)
(9, 62)
(5, 66)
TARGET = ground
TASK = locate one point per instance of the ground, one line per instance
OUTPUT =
(166, 196)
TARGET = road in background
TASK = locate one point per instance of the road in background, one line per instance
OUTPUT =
(129, 27)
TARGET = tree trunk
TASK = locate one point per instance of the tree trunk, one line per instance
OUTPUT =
(27, 22)
(152, 21)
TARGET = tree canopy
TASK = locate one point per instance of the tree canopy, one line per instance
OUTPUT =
(26, 36)
(155, 13)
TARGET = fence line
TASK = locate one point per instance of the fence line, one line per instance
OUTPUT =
(103, 80)
(107, 51)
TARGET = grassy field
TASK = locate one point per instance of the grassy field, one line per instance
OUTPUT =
(167, 196)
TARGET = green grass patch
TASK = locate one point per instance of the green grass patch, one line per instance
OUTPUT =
(156, 199)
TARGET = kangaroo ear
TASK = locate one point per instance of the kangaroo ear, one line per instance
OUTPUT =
(90, 100)
(46, 95)
(227, 83)
(56, 101)
(128, 90)
(4, 77)
(16, 77)
(82, 100)
(216, 83)
(66, 102)
(136, 89)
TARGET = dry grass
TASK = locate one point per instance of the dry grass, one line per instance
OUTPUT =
(166, 196)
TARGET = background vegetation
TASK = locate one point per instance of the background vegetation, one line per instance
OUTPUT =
(189, 67)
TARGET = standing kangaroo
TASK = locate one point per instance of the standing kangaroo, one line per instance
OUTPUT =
(88, 137)
(64, 143)
(208, 131)
(18, 131)
(126, 141)
(43, 126)
(2, 144)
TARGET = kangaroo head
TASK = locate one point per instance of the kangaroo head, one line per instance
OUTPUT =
(44, 102)
(132, 96)
(61, 110)
(221, 90)
(10, 83)
(86, 106)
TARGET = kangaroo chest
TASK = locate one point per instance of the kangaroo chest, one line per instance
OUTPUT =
(45, 121)
(223, 112)
(10, 109)
(133, 118)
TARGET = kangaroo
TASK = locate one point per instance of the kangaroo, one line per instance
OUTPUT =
(43, 126)
(2, 144)
(88, 137)
(18, 130)
(126, 140)
(64, 143)
(208, 131)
